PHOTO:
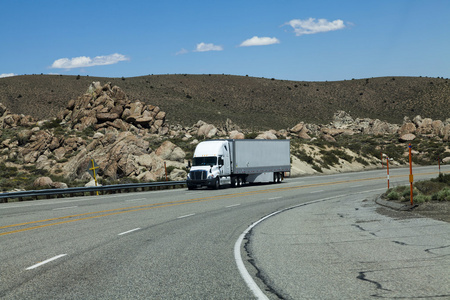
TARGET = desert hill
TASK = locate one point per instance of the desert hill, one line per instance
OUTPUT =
(254, 103)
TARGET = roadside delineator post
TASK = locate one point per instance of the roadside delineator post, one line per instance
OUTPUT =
(94, 167)
(411, 177)
(439, 163)
(387, 168)
(382, 166)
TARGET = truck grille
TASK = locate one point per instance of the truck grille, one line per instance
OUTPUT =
(198, 175)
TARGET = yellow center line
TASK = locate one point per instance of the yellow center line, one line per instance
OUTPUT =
(117, 211)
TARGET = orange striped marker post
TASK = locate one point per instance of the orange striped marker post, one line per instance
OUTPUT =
(411, 177)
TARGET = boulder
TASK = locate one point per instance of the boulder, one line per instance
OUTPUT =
(268, 135)
(177, 155)
(59, 185)
(407, 137)
(43, 182)
(165, 149)
(425, 127)
(446, 133)
(207, 130)
(237, 135)
(297, 128)
(406, 128)
(328, 138)
(438, 127)
(382, 128)
(177, 174)
(105, 116)
(303, 134)
(332, 131)
(342, 119)
(147, 176)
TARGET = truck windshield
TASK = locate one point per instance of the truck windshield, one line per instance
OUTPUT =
(204, 161)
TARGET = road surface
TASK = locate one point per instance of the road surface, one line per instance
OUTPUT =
(173, 244)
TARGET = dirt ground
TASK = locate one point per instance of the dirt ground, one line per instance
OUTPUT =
(434, 210)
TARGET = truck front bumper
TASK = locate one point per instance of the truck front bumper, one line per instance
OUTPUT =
(199, 183)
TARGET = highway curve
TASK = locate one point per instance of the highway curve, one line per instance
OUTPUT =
(174, 244)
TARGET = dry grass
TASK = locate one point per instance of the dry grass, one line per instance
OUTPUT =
(252, 103)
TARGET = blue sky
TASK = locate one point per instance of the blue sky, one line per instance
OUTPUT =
(283, 39)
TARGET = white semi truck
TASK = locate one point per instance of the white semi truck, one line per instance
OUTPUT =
(236, 162)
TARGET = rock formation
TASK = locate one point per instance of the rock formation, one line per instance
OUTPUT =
(133, 140)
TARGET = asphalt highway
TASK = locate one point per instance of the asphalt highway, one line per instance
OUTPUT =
(174, 244)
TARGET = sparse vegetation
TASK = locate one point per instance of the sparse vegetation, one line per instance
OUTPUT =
(437, 189)
(390, 102)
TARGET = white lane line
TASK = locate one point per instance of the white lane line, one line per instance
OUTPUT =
(181, 217)
(275, 198)
(140, 199)
(237, 246)
(355, 186)
(45, 261)
(313, 192)
(129, 231)
(191, 193)
(234, 205)
(67, 207)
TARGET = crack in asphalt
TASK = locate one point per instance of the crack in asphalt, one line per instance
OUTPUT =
(429, 250)
(259, 274)
(362, 276)
(400, 243)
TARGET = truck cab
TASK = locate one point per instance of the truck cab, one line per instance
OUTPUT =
(211, 165)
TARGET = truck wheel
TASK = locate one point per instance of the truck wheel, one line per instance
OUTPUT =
(217, 183)
(233, 181)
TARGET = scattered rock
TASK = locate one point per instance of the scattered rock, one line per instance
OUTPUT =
(407, 137)
(42, 182)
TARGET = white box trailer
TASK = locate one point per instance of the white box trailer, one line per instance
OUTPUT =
(236, 162)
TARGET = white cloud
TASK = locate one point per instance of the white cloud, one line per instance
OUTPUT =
(202, 47)
(312, 26)
(85, 61)
(7, 75)
(259, 41)
(182, 51)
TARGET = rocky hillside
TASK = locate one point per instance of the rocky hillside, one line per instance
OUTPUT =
(253, 103)
(132, 140)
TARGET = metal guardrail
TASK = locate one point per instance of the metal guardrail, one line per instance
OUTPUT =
(104, 189)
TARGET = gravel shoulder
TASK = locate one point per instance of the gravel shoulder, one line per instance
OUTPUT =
(403, 210)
